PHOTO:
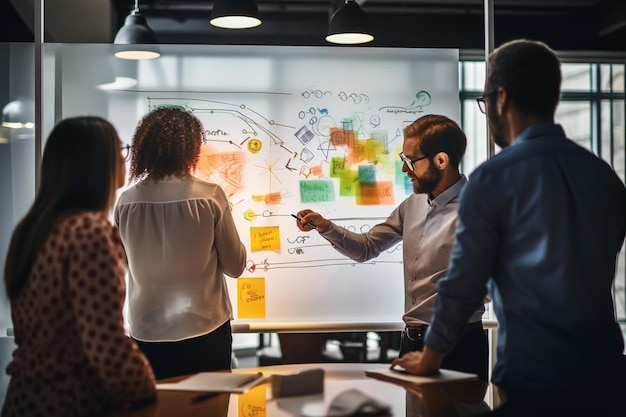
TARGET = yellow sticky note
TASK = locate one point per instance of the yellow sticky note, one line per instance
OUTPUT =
(251, 298)
(253, 402)
(265, 238)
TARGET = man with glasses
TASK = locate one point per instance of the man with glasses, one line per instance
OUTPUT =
(425, 223)
(542, 222)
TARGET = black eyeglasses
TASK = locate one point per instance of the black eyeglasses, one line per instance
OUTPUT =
(125, 149)
(482, 104)
(410, 162)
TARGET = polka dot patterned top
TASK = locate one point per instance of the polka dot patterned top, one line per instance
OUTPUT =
(73, 357)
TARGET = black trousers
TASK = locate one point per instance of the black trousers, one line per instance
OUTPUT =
(470, 354)
(209, 352)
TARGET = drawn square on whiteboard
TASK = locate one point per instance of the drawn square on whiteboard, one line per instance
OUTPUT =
(251, 298)
(304, 135)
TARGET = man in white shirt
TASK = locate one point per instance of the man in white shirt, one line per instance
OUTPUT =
(425, 222)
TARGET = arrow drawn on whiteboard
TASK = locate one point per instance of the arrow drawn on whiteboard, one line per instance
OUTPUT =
(265, 265)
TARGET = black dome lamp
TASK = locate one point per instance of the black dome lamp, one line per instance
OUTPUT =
(349, 25)
(135, 40)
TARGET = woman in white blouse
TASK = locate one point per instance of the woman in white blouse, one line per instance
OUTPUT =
(181, 241)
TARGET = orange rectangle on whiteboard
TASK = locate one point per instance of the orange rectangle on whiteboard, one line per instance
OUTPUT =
(251, 298)
(376, 193)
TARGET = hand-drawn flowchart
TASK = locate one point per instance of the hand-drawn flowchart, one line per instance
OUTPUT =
(331, 144)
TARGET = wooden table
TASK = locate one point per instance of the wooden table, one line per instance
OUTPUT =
(450, 399)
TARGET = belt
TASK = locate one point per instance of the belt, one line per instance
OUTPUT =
(417, 331)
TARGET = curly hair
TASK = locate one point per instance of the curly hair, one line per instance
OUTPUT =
(166, 142)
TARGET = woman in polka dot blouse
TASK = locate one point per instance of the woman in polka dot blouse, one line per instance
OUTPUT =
(64, 275)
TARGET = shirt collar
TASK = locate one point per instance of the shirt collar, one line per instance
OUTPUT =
(538, 130)
(449, 194)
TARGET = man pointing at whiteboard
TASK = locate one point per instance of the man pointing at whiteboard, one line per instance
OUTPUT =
(425, 222)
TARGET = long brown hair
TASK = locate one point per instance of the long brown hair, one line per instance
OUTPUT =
(79, 172)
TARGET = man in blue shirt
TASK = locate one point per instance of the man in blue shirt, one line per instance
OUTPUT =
(542, 223)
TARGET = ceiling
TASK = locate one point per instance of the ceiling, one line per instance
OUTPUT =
(566, 25)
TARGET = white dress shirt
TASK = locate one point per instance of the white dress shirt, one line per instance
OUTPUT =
(426, 229)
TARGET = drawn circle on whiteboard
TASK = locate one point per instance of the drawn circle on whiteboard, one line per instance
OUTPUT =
(324, 125)
(254, 145)
(249, 215)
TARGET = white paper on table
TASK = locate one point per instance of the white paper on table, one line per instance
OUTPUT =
(215, 382)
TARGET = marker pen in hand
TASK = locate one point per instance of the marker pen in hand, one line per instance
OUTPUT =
(311, 225)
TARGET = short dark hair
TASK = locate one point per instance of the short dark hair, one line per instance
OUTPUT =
(530, 72)
(438, 133)
(167, 141)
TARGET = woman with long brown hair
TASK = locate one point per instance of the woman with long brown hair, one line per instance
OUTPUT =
(65, 278)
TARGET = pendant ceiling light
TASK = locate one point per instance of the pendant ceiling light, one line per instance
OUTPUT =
(235, 14)
(349, 25)
(19, 114)
(135, 40)
(122, 75)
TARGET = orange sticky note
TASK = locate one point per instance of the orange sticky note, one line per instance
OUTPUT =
(377, 193)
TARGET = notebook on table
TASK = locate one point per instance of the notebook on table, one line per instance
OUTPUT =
(399, 375)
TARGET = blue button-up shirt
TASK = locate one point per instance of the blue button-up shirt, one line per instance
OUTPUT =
(542, 222)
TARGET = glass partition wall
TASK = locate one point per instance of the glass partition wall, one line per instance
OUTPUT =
(17, 167)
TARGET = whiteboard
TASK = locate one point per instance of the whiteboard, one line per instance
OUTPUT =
(291, 128)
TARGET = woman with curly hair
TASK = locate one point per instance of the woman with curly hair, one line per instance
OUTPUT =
(181, 241)
(64, 275)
